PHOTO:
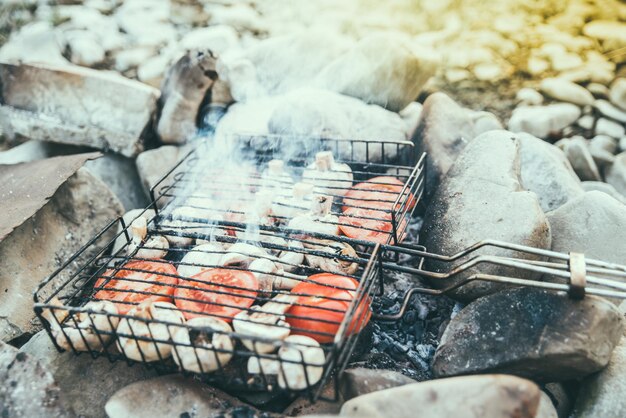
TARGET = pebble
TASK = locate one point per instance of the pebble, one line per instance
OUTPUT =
(566, 91)
(608, 127)
(529, 96)
(578, 154)
(543, 121)
(622, 143)
(616, 174)
(586, 122)
(617, 93)
(611, 33)
(604, 142)
(598, 90)
(610, 111)
(603, 187)
(133, 57)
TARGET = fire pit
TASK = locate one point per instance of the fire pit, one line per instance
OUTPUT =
(259, 303)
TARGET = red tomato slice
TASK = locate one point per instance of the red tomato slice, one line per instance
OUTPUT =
(309, 314)
(369, 225)
(124, 287)
(213, 296)
(377, 193)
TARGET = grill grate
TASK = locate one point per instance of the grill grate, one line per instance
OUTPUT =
(125, 305)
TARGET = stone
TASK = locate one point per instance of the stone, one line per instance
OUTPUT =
(487, 71)
(182, 92)
(537, 66)
(152, 70)
(36, 43)
(562, 398)
(411, 115)
(218, 39)
(616, 174)
(171, 396)
(604, 394)
(153, 164)
(529, 96)
(598, 90)
(566, 91)
(360, 381)
(133, 57)
(617, 93)
(546, 171)
(78, 210)
(37, 150)
(86, 383)
(303, 406)
(612, 34)
(600, 186)
(610, 111)
(622, 144)
(467, 396)
(381, 69)
(444, 130)
(588, 224)
(604, 142)
(600, 155)
(76, 106)
(578, 154)
(533, 333)
(608, 127)
(85, 49)
(543, 121)
(28, 389)
(120, 174)
(546, 408)
(242, 17)
(482, 198)
(586, 122)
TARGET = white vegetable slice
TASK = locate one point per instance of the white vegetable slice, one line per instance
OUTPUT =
(328, 176)
(200, 258)
(148, 349)
(207, 337)
(87, 331)
(295, 376)
(319, 220)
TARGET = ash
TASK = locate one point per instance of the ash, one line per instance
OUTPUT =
(408, 345)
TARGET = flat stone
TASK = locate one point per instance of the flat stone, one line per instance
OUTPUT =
(566, 91)
(617, 93)
(86, 383)
(303, 406)
(76, 106)
(604, 394)
(444, 130)
(537, 334)
(482, 198)
(578, 154)
(543, 121)
(588, 224)
(79, 209)
(546, 171)
(616, 174)
(171, 396)
(28, 389)
(360, 381)
(610, 111)
(487, 396)
(608, 127)
(600, 186)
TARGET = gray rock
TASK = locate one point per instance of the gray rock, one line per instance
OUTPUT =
(543, 121)
(546, 408)
(586, 122)
(120, 174)
(546, 171)
(604, 394)
(383, 69)
(302, 405)
(600, 155)
(610, 111)
(605, 142)
(566, 91)
(537, 334)
(608, 127)
(172, 396)
(622, 143)
(411, 115)
(28, 389)
(617, 93)
(589, 224)
(153, 164)
(37, 150)
(600, 186)
(578, 154)
(616, 174)
(76, 105)
(360, 381)
(86, 383)
(468, 397)
(79, 209)
(561, 397)
(481, 198)
(444, 130)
